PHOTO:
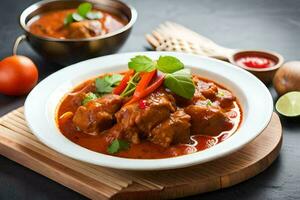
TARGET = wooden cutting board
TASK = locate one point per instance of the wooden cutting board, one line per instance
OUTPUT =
(20, 145)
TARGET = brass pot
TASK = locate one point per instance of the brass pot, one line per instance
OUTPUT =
(68, 51)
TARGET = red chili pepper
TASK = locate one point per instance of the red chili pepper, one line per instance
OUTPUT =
(144, 82)
(122, 85)
(143, 104)
(158, 82)
(142, 89)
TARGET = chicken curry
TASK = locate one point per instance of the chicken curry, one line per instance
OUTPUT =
(156, 109)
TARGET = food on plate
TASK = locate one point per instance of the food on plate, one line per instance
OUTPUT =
(83, 22)
(18, 75)
(287, 78)
(156, 109)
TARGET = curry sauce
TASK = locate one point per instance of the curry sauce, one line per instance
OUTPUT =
(210, 117)
(51, 24)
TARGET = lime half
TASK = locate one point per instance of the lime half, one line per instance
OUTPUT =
(289, 104)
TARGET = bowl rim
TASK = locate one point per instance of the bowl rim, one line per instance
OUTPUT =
(27, 11)
(272, 53)
(41, 101)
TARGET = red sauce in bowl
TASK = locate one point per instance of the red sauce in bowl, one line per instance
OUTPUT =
(255, 62)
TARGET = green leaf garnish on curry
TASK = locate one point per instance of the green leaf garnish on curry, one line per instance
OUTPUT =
(89, 97)
(83, 12)
(181, 83)
(117, 145)
(169, 64)
(106, 84)
(155, 109)
(84, 8)
(142, 64)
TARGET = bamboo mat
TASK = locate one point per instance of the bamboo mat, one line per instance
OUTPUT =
(19, 144)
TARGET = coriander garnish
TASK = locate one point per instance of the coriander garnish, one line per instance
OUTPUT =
(104, 85)
(83, 12)
(117, 145)
(89, 97)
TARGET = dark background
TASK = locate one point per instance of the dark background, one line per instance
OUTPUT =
(256, 24)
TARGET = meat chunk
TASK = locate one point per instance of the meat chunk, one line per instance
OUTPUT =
(174, 130)
(207, 119)
(225, 98)
(205, 90)
(130, 134)
(97, 115)
(133, 118)
(84, 29)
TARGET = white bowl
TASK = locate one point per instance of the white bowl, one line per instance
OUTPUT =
(254, 97)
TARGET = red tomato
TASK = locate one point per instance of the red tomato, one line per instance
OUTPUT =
(18, 75)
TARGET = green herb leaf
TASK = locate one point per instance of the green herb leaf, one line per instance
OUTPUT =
(105, 84)
(181, 83)
(94, 15)
(68, 19)
(89, 97)
(117, 145)
(142, 64)
(113, 79)
(84, 8)
(208, 102)
(169, 64)
(76, 17)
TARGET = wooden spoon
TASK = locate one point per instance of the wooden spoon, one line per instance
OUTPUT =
(170, 36)
(174, 37)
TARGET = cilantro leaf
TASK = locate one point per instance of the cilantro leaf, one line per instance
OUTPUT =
(169, 64)
(84, 11)
(117, 145)
(181, 83)
(84, 8)
(113, 79)
(89, 97)
(69, 19)
(105, 84)
(76, 17)
(142, 64)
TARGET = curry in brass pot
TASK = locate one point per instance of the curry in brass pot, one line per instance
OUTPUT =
(83, 22)
(69, 31)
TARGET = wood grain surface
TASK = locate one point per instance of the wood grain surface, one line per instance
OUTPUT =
(20, 145)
